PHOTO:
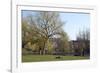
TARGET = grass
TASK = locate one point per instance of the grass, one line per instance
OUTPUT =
(39, 58)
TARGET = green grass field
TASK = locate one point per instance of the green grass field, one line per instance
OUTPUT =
(39, 58)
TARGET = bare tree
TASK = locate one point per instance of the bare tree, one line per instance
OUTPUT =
(47, 25)
(84, 39)
(84, 35)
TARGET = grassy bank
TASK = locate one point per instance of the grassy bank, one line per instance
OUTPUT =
(37, 58)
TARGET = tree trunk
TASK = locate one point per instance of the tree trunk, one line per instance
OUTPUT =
(44, 48)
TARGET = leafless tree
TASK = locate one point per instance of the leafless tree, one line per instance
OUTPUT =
(47, 25)
(84, 39)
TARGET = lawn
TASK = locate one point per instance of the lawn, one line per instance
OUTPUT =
(38, 58)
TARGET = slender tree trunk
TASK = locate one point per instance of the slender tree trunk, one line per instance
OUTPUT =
(40, 52)
(43, 49)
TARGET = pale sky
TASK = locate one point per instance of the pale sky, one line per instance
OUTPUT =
(75, 22)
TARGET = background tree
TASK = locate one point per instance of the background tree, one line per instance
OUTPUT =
(29, 37)
(25, 33)
(84, 41)
(64, 44)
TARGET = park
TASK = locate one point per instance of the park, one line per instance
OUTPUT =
(48, 36)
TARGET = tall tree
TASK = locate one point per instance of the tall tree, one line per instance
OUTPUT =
(64, 42)
(47, 25)
(84, 39)
(24, 33)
